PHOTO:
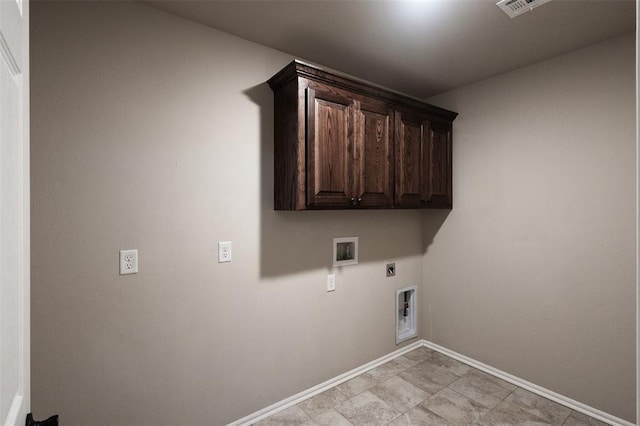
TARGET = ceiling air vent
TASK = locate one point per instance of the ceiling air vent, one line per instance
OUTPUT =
(514, 8)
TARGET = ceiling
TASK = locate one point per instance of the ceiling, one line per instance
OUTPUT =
(420, 47)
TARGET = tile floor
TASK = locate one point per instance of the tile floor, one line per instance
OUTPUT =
(424, 387)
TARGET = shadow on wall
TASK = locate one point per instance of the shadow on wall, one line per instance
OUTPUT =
(433, 221)
(295, 241)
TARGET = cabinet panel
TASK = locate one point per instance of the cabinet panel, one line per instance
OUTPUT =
(329, 148)
(440, 165)
(289, 154)
(374, 185)
(411, 151)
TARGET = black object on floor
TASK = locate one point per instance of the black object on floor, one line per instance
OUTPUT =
(51, 421)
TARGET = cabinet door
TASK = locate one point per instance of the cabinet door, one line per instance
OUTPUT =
(411, 141)
(330, 118)
(373, 155)
(440, 165)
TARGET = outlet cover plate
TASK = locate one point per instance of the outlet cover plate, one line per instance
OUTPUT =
(331, 282)
(128, 262)
(224, 251)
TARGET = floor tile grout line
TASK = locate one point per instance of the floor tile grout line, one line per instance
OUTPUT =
(489, 409)
(529, 412)
(549, 400)
(400, 414)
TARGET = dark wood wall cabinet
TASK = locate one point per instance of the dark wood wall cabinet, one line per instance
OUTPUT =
(343, 143)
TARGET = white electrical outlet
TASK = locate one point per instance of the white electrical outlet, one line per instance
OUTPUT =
(331, 282)
(128, 262)
(224, 251)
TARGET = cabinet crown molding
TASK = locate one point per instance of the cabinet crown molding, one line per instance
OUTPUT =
(298, 68)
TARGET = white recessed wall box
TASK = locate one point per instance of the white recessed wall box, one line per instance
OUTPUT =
(406, 313)
(345, 251)
(515, 8)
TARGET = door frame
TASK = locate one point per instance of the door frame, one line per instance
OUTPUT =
(15, 384)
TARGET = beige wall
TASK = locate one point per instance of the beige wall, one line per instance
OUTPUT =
(533, 272)
(155, 133)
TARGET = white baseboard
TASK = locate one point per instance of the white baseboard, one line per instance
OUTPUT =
(299, 397)
(539, 390)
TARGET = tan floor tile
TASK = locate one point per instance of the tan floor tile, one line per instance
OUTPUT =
(550, 411)
(292, 416)
(499, 382)
(505, 414)
(386, 370)
(579, 419)
(322, 402)
(481, 387)
(448, 365)
(367, 409)
(328, 418)
(357, 385)
(419, 416)
(404, 361)
(427, 377)
(418, 355)
(454, 407)
(399, 394)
